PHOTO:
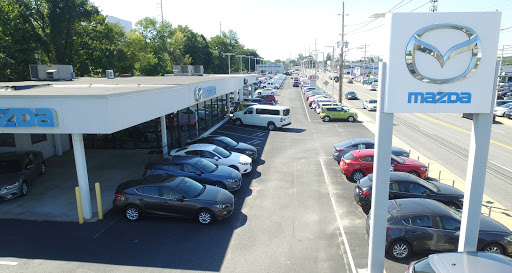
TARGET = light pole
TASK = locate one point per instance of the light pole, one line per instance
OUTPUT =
(241, 62)
(332, 67)
(229, 60)
(341, 52)
(249, 57)
(255, 63)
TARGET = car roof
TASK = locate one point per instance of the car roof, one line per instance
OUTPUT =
(398, 176)
(469, 262)
(201, 146)
(277, 107)
(181, 159)
(12, 155)
(364, 152)
(408, 206)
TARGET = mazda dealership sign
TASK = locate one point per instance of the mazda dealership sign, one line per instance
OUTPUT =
(441, 62)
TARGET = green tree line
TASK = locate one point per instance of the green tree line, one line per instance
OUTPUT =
(75, 32)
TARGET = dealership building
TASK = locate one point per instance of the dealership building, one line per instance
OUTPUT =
(154, 113)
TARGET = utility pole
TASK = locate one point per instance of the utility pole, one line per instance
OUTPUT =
(364, 61)
(332, 67)
(241, 62)
(162, 11)
(341, 52)
(220, 28)
(229, 60)
(433, 6)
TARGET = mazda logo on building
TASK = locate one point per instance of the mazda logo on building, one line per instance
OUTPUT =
(198, 94)
(416, 45)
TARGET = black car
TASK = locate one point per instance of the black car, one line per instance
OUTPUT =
(17, 171)
(259, 101)
(296, 83)
(228, 144)
(405, 185)
(419, 225)
(340, 149)
(351, 95)
(198, 169)
(174, 196)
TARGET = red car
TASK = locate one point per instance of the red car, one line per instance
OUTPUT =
(359, 163)
(269, 97)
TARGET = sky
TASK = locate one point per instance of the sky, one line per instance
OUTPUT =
(283, 29)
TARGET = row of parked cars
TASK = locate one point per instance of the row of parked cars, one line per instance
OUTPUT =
(271, 81)
(423, 215)
(192, 182)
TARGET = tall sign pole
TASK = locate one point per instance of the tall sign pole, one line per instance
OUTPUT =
(341, 53)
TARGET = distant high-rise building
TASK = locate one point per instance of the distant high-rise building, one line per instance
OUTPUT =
(126, 25)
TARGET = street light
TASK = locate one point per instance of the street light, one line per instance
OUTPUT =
(229, 60)
(241, 62)
(249, 57)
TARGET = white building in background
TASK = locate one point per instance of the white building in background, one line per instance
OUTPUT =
(126, 25)
(270, 68)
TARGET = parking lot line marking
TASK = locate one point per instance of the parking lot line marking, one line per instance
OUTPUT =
(344, 237)
(500, 166)
(8, 263)
(253, 141)
(259, 134)
(246, 128)
(231, 133)
(304, 103)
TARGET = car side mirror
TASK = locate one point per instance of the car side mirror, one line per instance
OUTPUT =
(216, 158)
(180, 199)
(198, 173)
(426, 193)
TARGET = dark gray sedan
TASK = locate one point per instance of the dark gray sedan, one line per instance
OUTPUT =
(427, 225)
(17, 171)
(173, 196)
(340, 149)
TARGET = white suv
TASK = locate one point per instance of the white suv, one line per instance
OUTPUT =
(270, 116)
(218, 156)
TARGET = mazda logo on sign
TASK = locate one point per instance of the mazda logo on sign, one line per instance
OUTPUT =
(416, 45)
(198, 94)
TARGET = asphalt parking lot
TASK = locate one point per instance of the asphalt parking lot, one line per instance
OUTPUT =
(295, 212)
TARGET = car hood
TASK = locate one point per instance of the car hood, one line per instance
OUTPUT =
(238, 157)
(227, 172)
(215, 194)
(489, 225)
(445, 189)
(245, 147)
(410, 161)
(9, 178)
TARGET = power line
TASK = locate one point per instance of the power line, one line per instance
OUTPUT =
(420, 6)
(391, 9)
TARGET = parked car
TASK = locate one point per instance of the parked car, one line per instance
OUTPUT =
(342, 148)
(266, 91)
(462, 262)
(500, 110)
(351, 95)
(371, 86)
(501, 102)
(259, 101)
(174, 196)
(217, 156)
(272, 117)
(350, 81)
(296, 83)
(18, 170)
(508, 114)
(228, 144)
(337, 112)
(198, 169)
(359, 163)
(405, 185)
(418, 225)
(269, 98)
(370, 104)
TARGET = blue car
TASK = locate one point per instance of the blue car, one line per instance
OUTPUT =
(198, 169)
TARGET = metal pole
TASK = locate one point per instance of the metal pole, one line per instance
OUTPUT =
(341, 53)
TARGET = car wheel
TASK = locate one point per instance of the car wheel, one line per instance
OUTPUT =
(43, 168)
(358, 175)
(220, 185)
(415, 174)
(24, 188)
(234, 168)
(258, 94)
(327, 118)
(271, 126)
(400, 250)
(132, 213)
(493, 248)
(238, 122)
(204, 216)
(351, 119)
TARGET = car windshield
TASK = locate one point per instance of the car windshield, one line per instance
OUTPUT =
(10, 166)
(223, 153)
(508, 105)
(372, 101)
(398, 159)
(349, 156)
(231, 143)
(351, 92)
(206, 165)
(190, 187)
(431, 186)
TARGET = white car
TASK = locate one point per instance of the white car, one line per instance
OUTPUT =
(266, 91)
(319, 100)
(370, 104)
(218, 156)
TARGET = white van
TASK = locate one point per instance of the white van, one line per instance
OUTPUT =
(270, 116)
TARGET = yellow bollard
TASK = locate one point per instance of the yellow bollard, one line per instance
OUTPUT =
(98, 200)
(79, 205)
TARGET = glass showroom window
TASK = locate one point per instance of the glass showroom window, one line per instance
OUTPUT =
(7, 140)
(37, 138)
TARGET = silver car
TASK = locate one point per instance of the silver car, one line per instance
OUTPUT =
(500, 110)
(17, 171)
(462, 262)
